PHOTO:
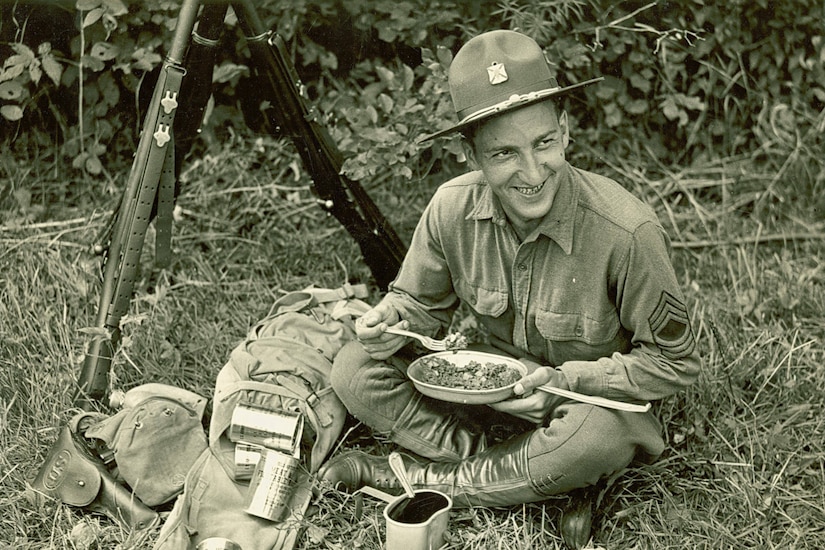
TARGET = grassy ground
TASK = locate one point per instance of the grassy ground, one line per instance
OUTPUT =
(744, 465)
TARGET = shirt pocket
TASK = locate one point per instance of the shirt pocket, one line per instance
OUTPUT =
(484, 301)
(564, 327)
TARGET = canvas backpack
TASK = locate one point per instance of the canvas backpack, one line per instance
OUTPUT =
(283, 365)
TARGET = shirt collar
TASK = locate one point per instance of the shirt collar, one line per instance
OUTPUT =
(557, 224)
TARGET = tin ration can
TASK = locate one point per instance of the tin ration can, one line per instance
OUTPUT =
(279, 430)
(271, 486)
(247, 456)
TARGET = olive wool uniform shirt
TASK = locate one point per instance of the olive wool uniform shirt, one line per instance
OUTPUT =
(591, 291)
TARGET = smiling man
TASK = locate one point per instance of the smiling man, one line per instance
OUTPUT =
(566, 270)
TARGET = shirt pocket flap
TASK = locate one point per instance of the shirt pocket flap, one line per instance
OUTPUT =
(484, 301)
(575, 326)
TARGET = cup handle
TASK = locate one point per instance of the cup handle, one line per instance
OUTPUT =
(377, 493)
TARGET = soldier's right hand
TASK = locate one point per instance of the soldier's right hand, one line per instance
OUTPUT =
(371, 328)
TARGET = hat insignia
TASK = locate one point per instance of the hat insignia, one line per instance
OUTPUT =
(497, 73)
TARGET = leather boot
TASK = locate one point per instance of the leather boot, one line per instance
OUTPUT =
(354, 469)
(577, 518)
(437, 434)
(497, 476)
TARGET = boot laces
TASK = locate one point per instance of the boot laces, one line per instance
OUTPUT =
(386, 482)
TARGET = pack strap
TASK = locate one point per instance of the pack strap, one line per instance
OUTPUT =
(317, 412)
(349, 309)
(251, 385)
(344, 292)
(305, 300)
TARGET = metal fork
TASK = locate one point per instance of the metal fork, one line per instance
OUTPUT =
(429, 343)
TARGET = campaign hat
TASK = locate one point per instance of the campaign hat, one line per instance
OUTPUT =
(496, 72)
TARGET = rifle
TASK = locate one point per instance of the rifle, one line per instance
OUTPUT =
(174, 114)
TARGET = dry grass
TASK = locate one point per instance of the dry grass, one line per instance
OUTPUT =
(744, 466)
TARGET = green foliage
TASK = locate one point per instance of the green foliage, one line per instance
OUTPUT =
(110, 50)
(684, 81)
(385, 118)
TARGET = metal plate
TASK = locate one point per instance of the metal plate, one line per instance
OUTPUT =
(459, 395)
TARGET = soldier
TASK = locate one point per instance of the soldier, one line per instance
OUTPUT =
(566, 270)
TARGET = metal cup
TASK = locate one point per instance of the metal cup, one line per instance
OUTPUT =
(274, 429)
(271, 486)
(417, 523)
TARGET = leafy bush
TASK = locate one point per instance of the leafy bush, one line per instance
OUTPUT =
(684, 82)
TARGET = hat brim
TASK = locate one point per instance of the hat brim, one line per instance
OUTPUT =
(507, 106)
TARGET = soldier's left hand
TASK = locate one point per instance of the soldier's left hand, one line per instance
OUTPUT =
(533, 406)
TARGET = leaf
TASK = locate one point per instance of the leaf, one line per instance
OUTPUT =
(445, 56)
(92, 17)
(78, 161)
(11, 90)
(12, 72)
(23, 51)
(109, 23)
(92, 63)
(35, 72)
(605, 93)
(409, 77)
(372, 113)
(116, 7)
(53, 69)
(385, 74)
(640, 82)
(227, 71)
(613, 115)
(636, 107)
(104, 51)
(93, 165)
(145, 60)
(693, 103)
(11, 112)
(386, 103)
(669, 108)
(171, 23)
(108, 89)
(379, 135)
(86, 5)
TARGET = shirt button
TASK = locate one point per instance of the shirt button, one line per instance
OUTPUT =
(522, 267)
(579, 331)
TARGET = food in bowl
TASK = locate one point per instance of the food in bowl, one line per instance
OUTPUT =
(473, 375)
(455, 341)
